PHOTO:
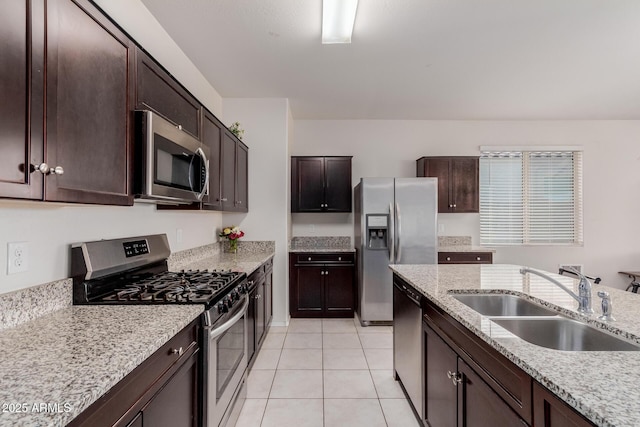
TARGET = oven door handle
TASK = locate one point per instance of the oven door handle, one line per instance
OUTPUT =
(216, 332)
(205, 187)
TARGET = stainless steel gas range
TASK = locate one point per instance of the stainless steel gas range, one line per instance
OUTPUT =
(135, 271)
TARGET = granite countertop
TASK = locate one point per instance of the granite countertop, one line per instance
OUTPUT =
(603, 386)
(320, 244)
(465, 248)
(73, 356)
(312, 249)
(246, 262)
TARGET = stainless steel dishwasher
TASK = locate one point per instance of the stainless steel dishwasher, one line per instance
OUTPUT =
(407, 343)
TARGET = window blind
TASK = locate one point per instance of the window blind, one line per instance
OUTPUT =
(531, 197)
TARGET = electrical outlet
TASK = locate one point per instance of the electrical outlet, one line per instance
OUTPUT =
(17, 257)
(179, 235)
(441, 228)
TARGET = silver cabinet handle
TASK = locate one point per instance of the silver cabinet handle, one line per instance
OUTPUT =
(448, 258)
(478, 258)
(454, 205)
(239, 202)
(339, 258)
(455, 377)
(178, 351)
(179, 127)
(224, 199)
(326, 273)
(45, 169)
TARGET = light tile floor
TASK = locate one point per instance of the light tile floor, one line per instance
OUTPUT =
(325, 373)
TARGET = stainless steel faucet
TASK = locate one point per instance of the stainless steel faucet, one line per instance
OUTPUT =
(584, 288)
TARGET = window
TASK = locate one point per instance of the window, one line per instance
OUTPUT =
(531, 197)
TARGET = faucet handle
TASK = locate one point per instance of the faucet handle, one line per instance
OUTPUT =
(607, 308)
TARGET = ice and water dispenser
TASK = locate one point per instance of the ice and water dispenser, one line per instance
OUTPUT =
(377, 231)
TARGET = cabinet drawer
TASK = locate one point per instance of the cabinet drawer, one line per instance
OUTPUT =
(325, 258)
(465, 257)
(510, 382)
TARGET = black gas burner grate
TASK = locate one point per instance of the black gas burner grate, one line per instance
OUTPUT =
(191, 286)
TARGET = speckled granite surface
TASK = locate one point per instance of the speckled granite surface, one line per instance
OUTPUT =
(249, 257)
(74, 355)
(454, 240)
(603, 386)
(27, 304)
(465, 248)
(321, 244)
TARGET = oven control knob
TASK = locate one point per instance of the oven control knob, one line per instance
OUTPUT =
(222, 307)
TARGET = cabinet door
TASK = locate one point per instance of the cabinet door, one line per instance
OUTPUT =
(439, 168)
(158, 91)
(338, 291)
(251, 321)
(88, 85)
(268, 297)
(338, 190)
(440, 392)
(306, 291)
(479, 405)
(549, 411)
(241, 185)
(307, 184)
(176, 403)
(465, 184)
(21, 52)
(212, 131)
(228, 171)
(260, 313)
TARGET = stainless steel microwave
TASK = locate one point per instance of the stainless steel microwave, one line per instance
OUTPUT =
(171, 166)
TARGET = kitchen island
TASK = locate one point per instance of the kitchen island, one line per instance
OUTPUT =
(600, 385)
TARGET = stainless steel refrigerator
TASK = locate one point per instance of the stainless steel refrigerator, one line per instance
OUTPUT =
(395, 223)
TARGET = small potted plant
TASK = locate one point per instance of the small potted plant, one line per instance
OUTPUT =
(237, 130)
(232, 234)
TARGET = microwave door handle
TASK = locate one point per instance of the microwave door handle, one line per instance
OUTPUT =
(200, 153)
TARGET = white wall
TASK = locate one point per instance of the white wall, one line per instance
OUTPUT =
(266, 125)
(49, 229)
(390, 148)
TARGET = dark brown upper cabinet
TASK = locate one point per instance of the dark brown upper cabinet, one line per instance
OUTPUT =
(321, 184)
(82, 154)
(233, 173)
(458, 182)
(212, 131)
(158, 91)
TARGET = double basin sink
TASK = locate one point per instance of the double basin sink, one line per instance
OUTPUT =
(542, 326)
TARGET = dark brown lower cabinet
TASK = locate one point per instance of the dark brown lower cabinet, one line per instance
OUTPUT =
(479, 405)
(321, 288)
(260, 307)
(470, 384)
(549, 411)
(161, 391)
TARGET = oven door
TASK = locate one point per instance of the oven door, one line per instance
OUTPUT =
(176, 168)
(227, 363)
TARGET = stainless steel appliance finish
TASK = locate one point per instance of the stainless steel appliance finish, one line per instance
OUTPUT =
(503, 305)
(395, 223)
(226, 356)
(134, 271)
(171, 166)
(408, 348)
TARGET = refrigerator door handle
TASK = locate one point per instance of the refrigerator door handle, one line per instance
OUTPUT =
(398, 233)
(391, 236)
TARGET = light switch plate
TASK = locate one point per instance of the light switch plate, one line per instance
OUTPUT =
(17, 257)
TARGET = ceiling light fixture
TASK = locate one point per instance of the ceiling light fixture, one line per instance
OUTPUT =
(338, 17)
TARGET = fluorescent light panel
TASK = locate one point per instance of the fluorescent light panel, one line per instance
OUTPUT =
(338, 17)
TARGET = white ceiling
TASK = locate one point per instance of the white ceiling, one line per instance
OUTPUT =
(420, 59)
